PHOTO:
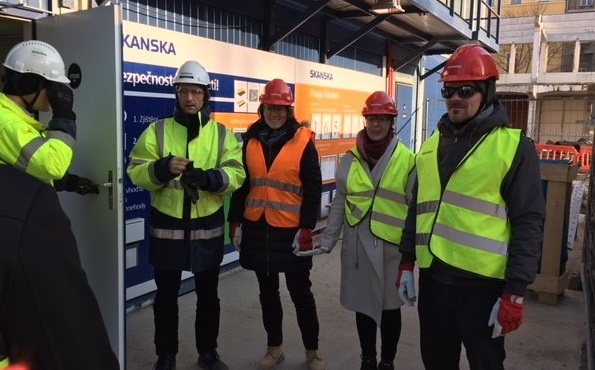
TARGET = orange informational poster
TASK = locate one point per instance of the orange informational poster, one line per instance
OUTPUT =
(331, 100)
(334, 115)
(237, 122)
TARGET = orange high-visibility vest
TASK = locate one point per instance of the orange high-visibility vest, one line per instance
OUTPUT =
(277, 193)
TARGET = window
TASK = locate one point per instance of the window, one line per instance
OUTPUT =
(560, 56)
(586, 3)
(515, 2)
(587, 57)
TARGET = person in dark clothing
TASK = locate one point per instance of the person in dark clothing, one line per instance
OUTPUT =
(188, 162)
(49, 316)
(275, 211)
(475, 226)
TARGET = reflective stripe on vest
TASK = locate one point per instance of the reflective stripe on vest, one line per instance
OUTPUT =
(467, 226)
(277, 193)
(27, 152)
(388, 203)
(199, 234)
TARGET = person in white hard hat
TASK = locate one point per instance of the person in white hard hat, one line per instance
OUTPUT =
(34, 81)
(188, 162)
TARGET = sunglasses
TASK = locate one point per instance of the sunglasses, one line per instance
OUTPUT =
(464, 92)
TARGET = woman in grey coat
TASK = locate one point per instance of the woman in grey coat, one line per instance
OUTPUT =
(373, 186)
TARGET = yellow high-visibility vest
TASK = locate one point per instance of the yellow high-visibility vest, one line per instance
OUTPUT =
(215, 148)
(467, 226)
(388, 203)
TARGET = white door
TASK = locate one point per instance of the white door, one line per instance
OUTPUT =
(91, 40)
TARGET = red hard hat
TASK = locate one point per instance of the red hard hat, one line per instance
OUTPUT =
(379, 103)
(469, 63)
(277, 92)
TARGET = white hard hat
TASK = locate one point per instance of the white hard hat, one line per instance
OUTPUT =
(192, 72)
(37, 57)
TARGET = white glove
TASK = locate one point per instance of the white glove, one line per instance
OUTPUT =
(406, 287)
(313, 252)
(497, 332)
(237, 238)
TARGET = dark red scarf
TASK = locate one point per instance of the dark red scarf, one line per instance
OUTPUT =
(371, 151)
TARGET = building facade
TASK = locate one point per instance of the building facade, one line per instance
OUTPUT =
(547, 66)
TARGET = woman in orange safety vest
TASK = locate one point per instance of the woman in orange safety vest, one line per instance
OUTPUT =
(272, 216)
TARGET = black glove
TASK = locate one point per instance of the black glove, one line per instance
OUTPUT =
(85, 186)
(77, 184)
(192, 179)
(195, 176)
(190, 190)
(61, 99)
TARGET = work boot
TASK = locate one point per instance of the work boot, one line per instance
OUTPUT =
(368, 363)
(165, 362)
(273, 356)
(211, 361)
(386, 365)
(314, 360)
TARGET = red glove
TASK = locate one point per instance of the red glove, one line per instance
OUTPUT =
(302, 241)
(232, 229)
(235, 234)
(305, 240)
(507, 314)
(17, 367)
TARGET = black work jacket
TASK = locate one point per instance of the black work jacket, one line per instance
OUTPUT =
(49, 317)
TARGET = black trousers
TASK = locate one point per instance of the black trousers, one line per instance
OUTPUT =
(165, 309)
(298, 284)
(390, 331)
(451, 315)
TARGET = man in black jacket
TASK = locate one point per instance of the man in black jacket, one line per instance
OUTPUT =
(49, 317)
(475, 226)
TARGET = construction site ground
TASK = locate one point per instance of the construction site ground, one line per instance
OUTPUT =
(551, 338)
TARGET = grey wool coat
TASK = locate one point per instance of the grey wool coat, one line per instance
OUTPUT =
(369, 265)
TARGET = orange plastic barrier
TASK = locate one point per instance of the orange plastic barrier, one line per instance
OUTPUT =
(585, 160)
(565, 152)
(557, 152)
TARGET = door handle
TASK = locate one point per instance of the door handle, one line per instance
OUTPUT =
(110, 188)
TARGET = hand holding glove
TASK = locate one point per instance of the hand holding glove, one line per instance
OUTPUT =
(190, 190)
(406, 284)
(302, 241)
(61, 99)
(195, 176)
(235, 234)
(507, 314)
(192, 179)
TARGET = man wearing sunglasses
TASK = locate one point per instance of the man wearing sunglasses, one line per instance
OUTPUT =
(475, 225)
